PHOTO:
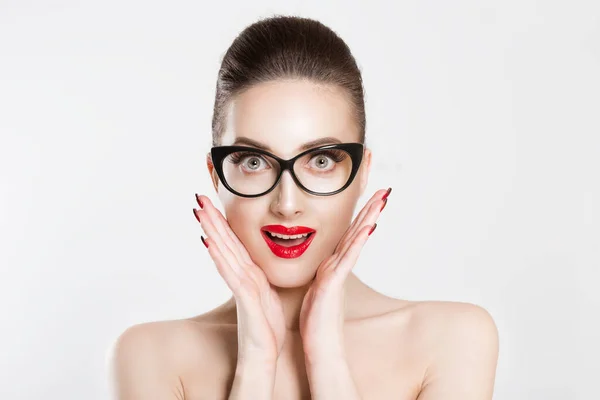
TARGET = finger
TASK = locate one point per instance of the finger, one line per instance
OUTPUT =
(368, 221)
(224, 229)
(223, 266)
(219, 222)
(349, 258)
(326, 265)
(219, 241)
(225, 237)
(376, 198)
(368, 216)
(228, 238)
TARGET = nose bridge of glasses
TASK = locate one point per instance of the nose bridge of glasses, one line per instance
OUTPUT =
(286, 166)
(288, 186)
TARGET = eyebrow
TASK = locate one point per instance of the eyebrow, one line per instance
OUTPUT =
(306, 146)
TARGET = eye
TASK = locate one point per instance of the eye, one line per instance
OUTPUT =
(321, 162)
(253, 163)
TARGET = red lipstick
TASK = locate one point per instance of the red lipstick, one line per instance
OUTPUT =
(287, 251)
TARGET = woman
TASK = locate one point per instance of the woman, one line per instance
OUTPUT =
(289, 165)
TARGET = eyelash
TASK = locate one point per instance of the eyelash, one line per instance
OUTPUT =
(335, 155)
(236, 158)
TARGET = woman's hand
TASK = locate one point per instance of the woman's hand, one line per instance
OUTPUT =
(261, 325)
(322, 312)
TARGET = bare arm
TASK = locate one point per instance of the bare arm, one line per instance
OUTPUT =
(138, 367)
(464, 365)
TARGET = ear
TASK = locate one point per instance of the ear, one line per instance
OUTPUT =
(365, 170)
(212, 171)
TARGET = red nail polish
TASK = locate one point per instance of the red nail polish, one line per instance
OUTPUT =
(199, 201)
(372, 229)
(204, 241)
(195, 215)
(383, 205)
(387, 194)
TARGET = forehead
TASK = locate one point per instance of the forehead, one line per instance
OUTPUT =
(284, 115)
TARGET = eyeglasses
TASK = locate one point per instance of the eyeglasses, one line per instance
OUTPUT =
(321, 171)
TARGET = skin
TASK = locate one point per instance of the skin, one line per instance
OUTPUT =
(306, 327)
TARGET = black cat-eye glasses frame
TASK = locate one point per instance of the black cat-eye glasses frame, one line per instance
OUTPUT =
(354, 150)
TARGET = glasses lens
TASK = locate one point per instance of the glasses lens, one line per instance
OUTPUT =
(250, 173)
(325, 170)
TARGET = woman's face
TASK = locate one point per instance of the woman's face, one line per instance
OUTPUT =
(283, 116)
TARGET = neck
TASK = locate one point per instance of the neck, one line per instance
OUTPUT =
(355, 292)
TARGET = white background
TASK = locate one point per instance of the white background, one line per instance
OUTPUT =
(483, 117)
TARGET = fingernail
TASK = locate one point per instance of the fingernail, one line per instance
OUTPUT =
(199, 201)
(195, 215)
(372, 229)
(387, 194)
(384, 204)
(204, 241)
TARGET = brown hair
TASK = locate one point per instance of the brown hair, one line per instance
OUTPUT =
(287, 47)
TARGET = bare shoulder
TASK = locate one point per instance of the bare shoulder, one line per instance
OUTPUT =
(441, 316)
(152, 359)
(460, 344)
(141, 364)
(448, 325)
(438, 323)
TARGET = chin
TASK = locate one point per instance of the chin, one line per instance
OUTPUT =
(288, 281)
(288, 273)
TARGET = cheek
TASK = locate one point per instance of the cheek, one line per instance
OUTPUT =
(243, 217)
(337, 212)
(335, 218)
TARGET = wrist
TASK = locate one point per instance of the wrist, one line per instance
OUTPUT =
(254, 379)
(331, 378)
(256, 365)
(330, 356)
(325, 361)
(256, 357)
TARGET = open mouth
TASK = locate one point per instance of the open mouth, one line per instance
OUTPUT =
(287, 242)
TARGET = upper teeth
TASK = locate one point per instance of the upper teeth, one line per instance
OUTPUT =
(289, 236)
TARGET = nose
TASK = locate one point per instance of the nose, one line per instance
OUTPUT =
(288, 200)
